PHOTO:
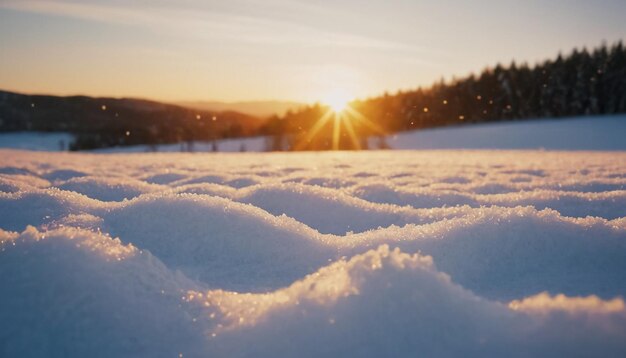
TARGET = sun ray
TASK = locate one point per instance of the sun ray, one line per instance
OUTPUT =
(362, 119)
(341, 112)
(313, 131)
(352, 133)
(336, 130)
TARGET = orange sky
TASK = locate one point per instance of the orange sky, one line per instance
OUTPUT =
(279, 49)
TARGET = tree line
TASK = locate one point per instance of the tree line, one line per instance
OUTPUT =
(580, 83)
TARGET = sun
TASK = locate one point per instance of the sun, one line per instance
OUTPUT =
(337, 100)
(341, 113)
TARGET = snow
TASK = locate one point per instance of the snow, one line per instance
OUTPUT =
(42, 141)
(253, 144)
(402, 253)
(583, 133)
(578, 133)
(381, 253)
(35, 140)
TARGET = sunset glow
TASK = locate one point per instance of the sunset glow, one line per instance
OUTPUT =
(280, 50)
(337, 100)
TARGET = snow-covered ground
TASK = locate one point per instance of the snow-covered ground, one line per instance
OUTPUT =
(60, 142)
(579, 133)
(394, 253)
(252, 144)
(36, 141)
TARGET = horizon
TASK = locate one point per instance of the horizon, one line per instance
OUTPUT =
(176, 102)
(278, 51)
(451, 79)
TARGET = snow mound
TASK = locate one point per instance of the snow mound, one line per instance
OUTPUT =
(375, 303)
(610, 204)
(79, 293)
(63, 174)
(108, 189)
(218, 241)
(387, 302)
(15, 183)
(305, 202)
(38, 207)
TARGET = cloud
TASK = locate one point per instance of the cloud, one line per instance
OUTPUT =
(238, 22)
(544, 303)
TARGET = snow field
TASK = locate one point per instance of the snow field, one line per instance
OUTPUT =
(433, 253)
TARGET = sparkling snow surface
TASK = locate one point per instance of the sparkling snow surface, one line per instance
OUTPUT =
(434, 253)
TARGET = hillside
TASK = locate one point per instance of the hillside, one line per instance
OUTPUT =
(254, 108)
(105, 122)
(578, 84)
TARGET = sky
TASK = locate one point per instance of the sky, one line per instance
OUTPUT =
(239, 50)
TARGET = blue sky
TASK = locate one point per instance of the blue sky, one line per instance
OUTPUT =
(279, 49)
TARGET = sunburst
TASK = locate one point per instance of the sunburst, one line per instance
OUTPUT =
(343, 114)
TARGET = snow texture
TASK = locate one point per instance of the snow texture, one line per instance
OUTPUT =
(369, 254)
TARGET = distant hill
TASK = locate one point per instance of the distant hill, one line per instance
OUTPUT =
(255, 108)
(105, 122)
